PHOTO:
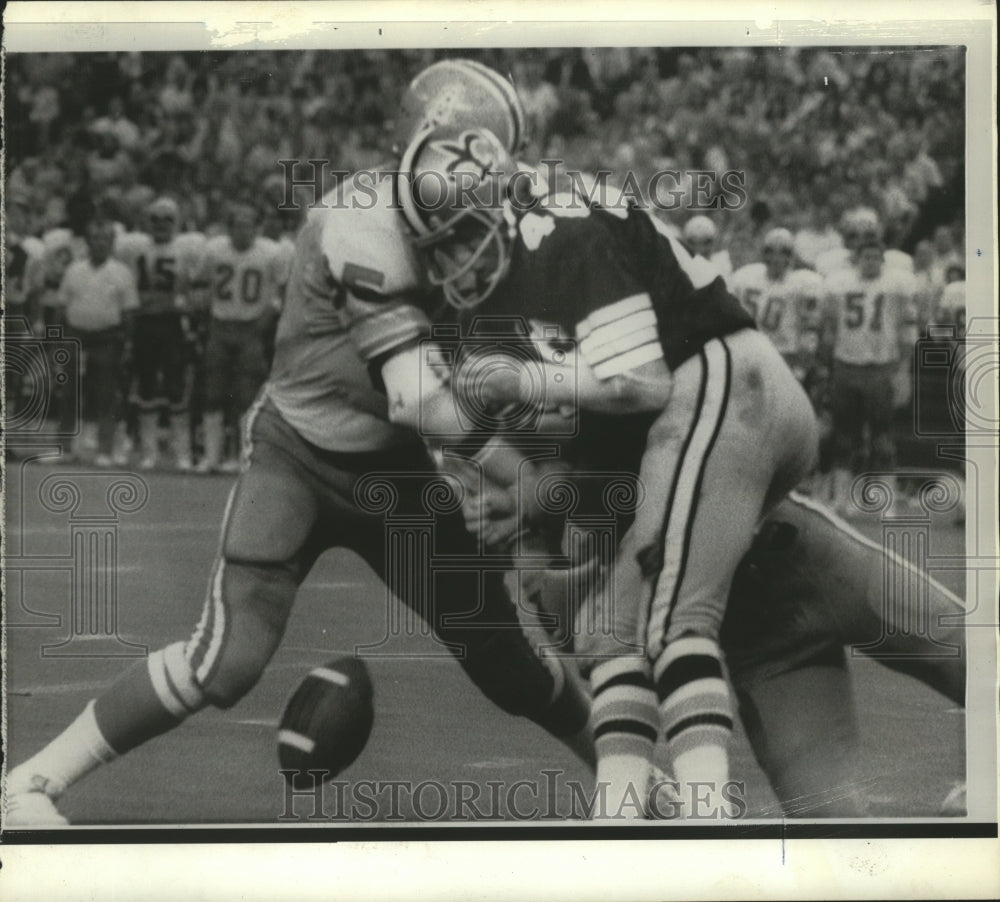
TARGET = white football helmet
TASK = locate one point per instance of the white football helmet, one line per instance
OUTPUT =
(464, 94)
(455, 188)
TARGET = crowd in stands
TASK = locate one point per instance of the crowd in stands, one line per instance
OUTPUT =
(815, 131)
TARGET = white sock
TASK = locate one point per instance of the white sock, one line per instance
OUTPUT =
(73, 754)
(627, 780)
(625, 720)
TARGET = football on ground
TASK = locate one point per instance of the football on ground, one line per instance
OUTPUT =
(326, 723)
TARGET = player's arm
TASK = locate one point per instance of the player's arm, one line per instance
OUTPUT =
(570, 379)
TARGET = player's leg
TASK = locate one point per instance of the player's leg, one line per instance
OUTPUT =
(147, 354)
(749, 438)
(103, 374)
(267, 546)
(471, 613)
(216, 390)
(848, 430)
(879, 405)
(788, 671)
(249, 369)
(878, 602)
(809, 585)
(177, 376)
(802, 726)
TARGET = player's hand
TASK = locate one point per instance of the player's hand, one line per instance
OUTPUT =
(492, 516)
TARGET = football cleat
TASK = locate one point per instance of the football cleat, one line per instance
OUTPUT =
(663, 801)
(31, 808)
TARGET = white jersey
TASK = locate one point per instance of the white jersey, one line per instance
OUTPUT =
(242, 285)
(839, 258)
(163, 271)
(870, 315)
(23, 273)
(785, 309)
(286, 254)
(951, 307)
(351, 263)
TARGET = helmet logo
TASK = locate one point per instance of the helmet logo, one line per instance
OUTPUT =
(472, 153)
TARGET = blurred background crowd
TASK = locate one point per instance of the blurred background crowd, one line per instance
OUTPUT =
(817, 132)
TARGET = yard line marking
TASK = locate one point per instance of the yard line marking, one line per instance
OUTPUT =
(42, 529)
(61, 688)
(498, 762)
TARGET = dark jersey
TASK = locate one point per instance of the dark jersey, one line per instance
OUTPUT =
(617, 282)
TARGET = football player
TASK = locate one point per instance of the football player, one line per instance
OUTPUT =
(315, 432)
(659, 334)
(162, 261)
(870, 314)
(22, 285)
(783, 302)
(859, 225)
(242, 275)
(809, 587)
(700, 235)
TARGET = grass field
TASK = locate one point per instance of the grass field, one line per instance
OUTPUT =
(431, 723)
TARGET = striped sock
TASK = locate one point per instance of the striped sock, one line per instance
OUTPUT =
(625, 721)
(695, 710)
(148, 700)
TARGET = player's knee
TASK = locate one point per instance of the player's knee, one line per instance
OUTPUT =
(257, 601)
(235, 677)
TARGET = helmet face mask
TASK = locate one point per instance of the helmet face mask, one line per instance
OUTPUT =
(454, 187)
(468, 259)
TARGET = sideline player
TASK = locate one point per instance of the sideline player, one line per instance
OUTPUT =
(162, 261)
(660, 333)
(316, 431)
(242, 275)
(22, 283)
(870, 311)
(784, 302)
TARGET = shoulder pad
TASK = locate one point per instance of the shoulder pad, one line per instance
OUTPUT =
(748, 274)
(216, 244)
(898, 260)
(131, 242)
(370, 236)
(806, 278)
(33, 247)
